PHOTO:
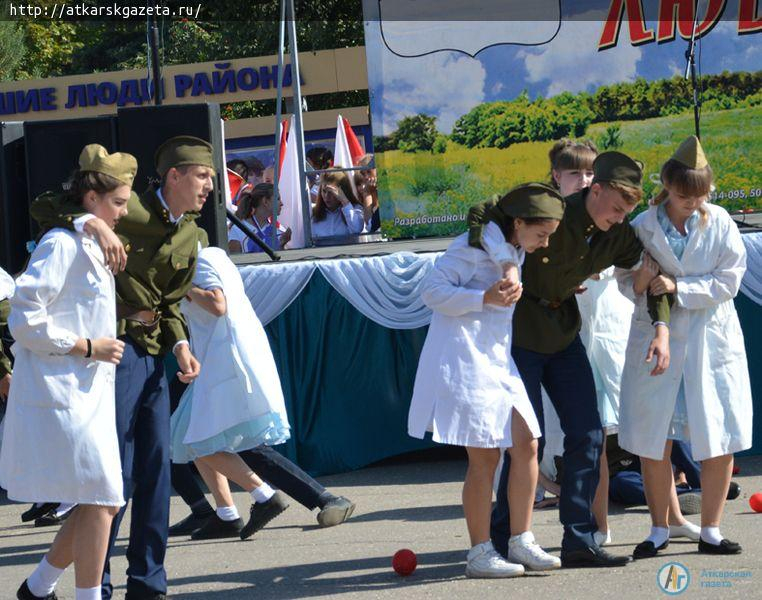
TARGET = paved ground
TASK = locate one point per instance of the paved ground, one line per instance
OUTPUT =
(408, 505)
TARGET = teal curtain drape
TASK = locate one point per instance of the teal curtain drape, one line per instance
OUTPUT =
(347, 382)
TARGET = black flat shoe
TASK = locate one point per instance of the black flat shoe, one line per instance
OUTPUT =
(262, 513)
(189, 524)
(217, 529)
(37, 511)
(647, 550)
(23, 593)
(50, 518)
(591, 557)
(724, 547)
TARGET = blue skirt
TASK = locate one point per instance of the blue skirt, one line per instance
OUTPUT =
(268, 429)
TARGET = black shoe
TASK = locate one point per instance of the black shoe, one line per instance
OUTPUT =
(334, 512)
(724, 547)
(734, 490)
(189, 524)
(217, 529)
(37, 511)
(262, 513)
(591, 557)
(50, 518)
(23, 593)
(690, 503)
(133, 595)
(647, 550)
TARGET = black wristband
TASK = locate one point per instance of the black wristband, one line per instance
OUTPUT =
(89, 352)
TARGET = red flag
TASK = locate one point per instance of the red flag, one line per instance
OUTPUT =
(235, 182)
(283, 137)
(355, 149)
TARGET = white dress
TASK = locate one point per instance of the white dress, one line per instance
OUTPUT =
(236, 403)
(60, 441)
(706, 345)
(467, 384)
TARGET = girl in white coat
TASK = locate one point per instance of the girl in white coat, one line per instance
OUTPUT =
(60, 432)
(705, 395)
(468, 391)
(236, 403)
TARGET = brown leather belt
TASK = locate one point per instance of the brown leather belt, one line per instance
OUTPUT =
(553, 305)
(149, 319)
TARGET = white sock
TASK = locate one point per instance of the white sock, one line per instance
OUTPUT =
(93, 593)
(524, 539)
(262, 493)
(63, 508)
(44, 579)
(658, 536)
(228, 513)
(711, 535)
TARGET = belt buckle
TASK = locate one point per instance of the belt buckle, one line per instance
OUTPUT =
(548, 304)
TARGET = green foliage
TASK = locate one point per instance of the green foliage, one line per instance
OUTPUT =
(415, 133)
(440, 144)
(611, 139)
(12, 49)
(502, 124)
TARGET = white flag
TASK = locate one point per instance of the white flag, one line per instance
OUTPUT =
(289, 189)
(342, 156)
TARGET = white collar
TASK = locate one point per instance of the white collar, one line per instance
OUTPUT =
(164, 204)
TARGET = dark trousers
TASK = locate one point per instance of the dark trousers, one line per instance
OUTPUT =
(269, 464)
(568, 379)
(626, 487)
(142, 423)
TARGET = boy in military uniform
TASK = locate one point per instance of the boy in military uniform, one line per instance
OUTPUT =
(592, 236)
(162, 241)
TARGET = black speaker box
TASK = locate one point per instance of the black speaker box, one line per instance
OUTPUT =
(14, 205)
(142, 130)
(53, 148)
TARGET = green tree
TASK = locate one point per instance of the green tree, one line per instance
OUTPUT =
(12, 49)
(415, 133)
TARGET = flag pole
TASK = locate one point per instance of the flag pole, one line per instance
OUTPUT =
(299, 130)
(278, 115)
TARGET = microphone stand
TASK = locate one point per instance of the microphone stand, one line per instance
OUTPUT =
(690, 72)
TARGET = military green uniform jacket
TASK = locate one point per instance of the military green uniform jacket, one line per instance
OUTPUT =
(161, 259)
(547, 317)
(5, 362)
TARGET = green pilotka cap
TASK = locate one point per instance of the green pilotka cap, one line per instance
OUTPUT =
(615, 167)
(119, 165)
(525, 201)
(691, 154)
(183, 150)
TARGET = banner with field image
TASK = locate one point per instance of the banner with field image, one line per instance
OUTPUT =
(467, 98)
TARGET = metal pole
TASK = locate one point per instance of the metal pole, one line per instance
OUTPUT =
(153, 43)
(299, 130)
(278, 115)
(690, 54)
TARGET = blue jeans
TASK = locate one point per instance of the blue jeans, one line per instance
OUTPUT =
(568, 379)
(142, 425)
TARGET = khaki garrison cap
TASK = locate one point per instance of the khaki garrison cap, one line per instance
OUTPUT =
(119, 165)
(532, 200)
(183, 150)
(691, 154)
(615, 167)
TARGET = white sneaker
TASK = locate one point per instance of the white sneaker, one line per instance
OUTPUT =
(485, 562)
(689, 530)
(524, 550)
(602, 539)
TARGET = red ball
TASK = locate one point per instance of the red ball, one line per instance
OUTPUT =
(404, 562)
(756, 502)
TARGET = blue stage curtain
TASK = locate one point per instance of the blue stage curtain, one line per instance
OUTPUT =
(750, 316)
(347, 382)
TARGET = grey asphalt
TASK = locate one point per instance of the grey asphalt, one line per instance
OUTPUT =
(412, 505)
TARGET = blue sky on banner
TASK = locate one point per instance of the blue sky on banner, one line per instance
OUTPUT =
(447, 84)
